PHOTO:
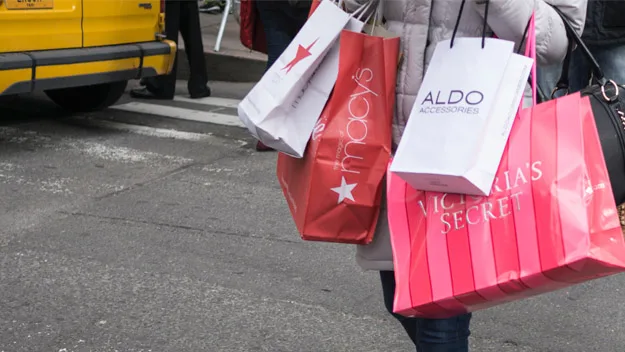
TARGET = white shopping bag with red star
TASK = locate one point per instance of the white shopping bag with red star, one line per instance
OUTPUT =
(283, 107)
(334, 191)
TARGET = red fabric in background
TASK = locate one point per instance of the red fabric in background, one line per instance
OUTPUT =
(251, 32)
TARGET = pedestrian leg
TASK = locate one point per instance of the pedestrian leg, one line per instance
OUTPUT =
(163, 87)
(443, 335)
(194, 47)
(388, 291)
(277, 26)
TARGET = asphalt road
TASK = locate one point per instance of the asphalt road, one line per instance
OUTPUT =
(140, 239)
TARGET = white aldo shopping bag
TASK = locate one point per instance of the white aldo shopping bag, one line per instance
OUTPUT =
(461, 120)
(283, 107)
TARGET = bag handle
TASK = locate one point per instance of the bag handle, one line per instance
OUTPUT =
(377, 18)
(484, 23)
(357, 14)
(530, 48)
(362, 13)
(530, 51)
(597, 73)
(529, 40)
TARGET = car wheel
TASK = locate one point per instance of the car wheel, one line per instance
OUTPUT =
(88, 98)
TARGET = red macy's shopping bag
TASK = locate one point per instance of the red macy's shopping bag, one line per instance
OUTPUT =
(550, 221)
(334, 191)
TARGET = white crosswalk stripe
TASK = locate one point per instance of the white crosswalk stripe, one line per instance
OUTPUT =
(213, 101)
(143, 130)
(215, 116)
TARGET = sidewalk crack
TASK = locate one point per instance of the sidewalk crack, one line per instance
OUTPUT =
(178, 226)
(148, 182)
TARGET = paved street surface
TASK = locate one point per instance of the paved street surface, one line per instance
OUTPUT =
(152, 227)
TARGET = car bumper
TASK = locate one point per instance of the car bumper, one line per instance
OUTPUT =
(53, 69)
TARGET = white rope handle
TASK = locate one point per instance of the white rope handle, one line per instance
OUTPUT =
(377, 17)
(362, 10)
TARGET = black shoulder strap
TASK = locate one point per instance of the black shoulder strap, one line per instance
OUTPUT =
(576, 40)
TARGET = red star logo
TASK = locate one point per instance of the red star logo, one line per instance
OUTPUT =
(301, 54)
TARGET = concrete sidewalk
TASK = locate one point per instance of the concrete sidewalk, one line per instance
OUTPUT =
(233, 62)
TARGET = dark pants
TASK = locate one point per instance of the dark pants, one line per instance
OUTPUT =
(429, 335)
(281, 22)
(183, 16)
(611, 59)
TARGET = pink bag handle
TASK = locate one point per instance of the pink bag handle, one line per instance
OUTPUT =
(530, 51)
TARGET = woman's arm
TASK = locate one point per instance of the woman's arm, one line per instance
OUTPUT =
(508, 19)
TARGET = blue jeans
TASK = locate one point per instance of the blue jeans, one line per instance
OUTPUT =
(429, 335)
(611, 59)
(281, 22)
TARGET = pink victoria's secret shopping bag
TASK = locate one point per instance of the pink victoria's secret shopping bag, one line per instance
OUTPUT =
(550, 220)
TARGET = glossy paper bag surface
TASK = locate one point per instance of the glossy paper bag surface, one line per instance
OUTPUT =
(334, 191)
(550, 221)
(282, 108)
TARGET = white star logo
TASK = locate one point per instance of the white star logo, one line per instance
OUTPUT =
(345, 190)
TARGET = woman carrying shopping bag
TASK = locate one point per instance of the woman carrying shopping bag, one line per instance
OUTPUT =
(422, 24)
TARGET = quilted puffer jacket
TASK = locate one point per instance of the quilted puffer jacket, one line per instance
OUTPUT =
(421, 24)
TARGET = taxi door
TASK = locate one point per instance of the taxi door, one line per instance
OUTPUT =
(29, 25)
(113, 22)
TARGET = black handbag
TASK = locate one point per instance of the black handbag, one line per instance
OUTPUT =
(607, 99)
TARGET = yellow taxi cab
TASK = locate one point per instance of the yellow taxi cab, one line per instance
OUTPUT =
(81, 53)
